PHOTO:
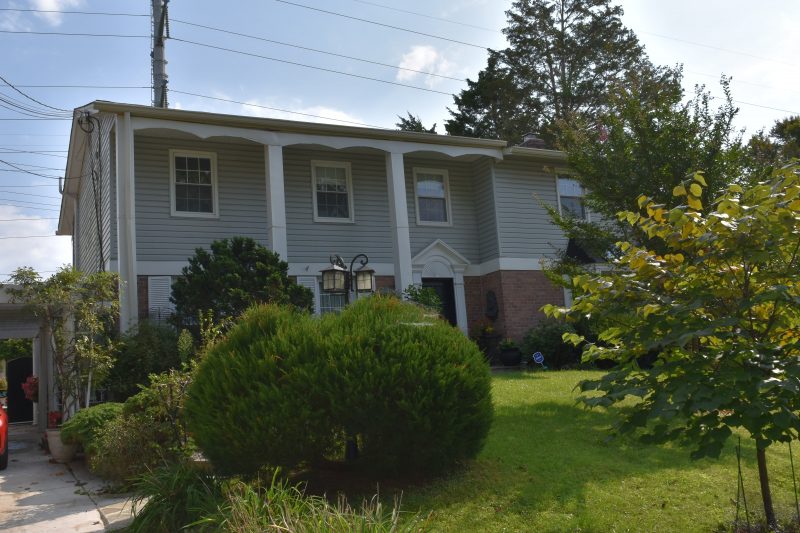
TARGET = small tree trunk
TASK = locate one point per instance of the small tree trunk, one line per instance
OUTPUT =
(766, 495)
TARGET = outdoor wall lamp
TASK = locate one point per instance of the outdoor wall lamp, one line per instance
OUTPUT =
(339, 279)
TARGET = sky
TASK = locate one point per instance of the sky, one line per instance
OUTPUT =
(266, 71)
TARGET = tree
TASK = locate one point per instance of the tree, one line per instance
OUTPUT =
(646, 142)
(236, 274)
(562, 57)
(782, 144)
(80, 312)
(720, 305)
(15, 348)
(413, 123)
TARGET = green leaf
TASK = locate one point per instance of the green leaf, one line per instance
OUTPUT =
(679, 190)
(696, 189)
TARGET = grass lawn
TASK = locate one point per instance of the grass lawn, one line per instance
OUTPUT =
(548, 466)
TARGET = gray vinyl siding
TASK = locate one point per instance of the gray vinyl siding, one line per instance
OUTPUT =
(93, 240)
(485, 211)
(370, 233)
(462, 235)
(242, 198)
(525, 227)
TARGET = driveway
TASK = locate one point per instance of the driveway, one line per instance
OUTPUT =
(37, 495)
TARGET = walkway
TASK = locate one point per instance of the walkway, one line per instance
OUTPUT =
(38, 496)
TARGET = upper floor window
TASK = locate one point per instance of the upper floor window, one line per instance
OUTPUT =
(431, 188)
(570, 195)
(333, 191)
(194, 183)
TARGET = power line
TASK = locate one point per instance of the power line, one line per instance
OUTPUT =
(24, 219)
(316, 50)
(27, 202)
(424, 15)
(28, 194)
(275, 109)
(32, 236)
(32, 99)
(29, 207)
(66, 34)
(104, 13)
(28, 165)
(26, 171)
(323, 69)
(85, 86)
(26, 186)
(408, 30)
(35, 152)
(35, 119)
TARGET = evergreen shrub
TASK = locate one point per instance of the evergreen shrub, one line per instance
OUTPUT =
(546, 337)
(284, 389)
(87, 424)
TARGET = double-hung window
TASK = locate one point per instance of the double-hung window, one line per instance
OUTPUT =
(431, 188)
(333, 191)
(330, 302)
(193, 183)
(570, 196)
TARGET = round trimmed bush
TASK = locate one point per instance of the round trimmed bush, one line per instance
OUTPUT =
(284, 388)
(259, 397)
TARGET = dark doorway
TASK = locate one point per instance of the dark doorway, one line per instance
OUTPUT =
(20, 409)
(444, 288)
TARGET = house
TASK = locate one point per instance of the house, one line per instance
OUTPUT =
(146, 186)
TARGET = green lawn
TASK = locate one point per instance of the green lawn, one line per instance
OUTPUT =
(547, 466)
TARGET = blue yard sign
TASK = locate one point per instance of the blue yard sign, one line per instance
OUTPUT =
(538, 358)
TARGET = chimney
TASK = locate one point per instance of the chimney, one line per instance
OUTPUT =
(531, 140)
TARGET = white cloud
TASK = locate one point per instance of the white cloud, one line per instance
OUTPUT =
(426, 59)
(54, 19)
(13, 20)
(43, 254)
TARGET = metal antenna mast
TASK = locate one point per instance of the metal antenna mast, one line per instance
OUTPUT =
(159, 63)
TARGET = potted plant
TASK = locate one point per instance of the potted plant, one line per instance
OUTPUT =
(488, 340)
(510, 354)
(3, 391)
(62, 453)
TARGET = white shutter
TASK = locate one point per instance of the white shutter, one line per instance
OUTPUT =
(311, 283)
(159, 289)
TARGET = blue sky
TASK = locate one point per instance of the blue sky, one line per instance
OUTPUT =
(753, 43)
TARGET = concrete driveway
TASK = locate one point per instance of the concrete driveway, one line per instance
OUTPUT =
(37, 495)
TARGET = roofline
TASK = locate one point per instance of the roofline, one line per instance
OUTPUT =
(293, 126)
(556, 156)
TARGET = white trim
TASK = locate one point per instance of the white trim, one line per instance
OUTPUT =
(496, 212)
(398, 217)
(276, 201)
(126, 223)
(349, 178)
(439, 260)
(504, 263)
(446, 181)
(204, 131)
(175, 152)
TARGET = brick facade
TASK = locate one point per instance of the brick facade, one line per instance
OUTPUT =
(520, 294)
(384, 283)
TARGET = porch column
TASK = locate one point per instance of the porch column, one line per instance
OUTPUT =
(461, 301)
(398, 216)
(276, 201)
(126, 224)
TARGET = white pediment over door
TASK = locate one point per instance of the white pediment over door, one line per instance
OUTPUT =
(439, 260)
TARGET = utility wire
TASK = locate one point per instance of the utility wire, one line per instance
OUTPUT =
(29, 207)
(32, 99)
(24, 219)
(316, 50)
(17, 200)
(35, 119)
(26, 171)
(25, 186)
(28, 194)
(104, 13)
(32, 236)
(323, 69)
(408, 30)
(424, 15)
(274, 108)
(85, 86)
(35, 152)
(67, 34)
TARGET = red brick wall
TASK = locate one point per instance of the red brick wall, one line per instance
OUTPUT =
(141, 290)
(384, 283)
(520, 294)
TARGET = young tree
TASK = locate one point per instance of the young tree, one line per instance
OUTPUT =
(80, 311)
(413, 123)
(782, 144)
(561, 59)
(720, 305)
(236, 274)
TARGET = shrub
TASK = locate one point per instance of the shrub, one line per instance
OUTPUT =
(149, 349)
(260, 394)
(149, 430)
(283, 388)
(546, 337)
(86, 425)
(416, 393)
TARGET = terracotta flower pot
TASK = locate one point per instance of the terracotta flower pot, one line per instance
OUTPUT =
(62, 453)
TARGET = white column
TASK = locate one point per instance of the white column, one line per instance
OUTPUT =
(398, 212)
(126, 224)
(276, 201)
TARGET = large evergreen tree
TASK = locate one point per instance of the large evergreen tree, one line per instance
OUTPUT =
(562, 57)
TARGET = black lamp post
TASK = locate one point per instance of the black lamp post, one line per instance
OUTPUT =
(339, 279)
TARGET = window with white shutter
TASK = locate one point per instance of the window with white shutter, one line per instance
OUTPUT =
(159, 289)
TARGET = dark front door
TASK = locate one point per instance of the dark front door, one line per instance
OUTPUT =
(17, 371)
(444, 288)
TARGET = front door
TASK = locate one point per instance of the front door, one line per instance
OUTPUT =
(444, 288)
(20, 409)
